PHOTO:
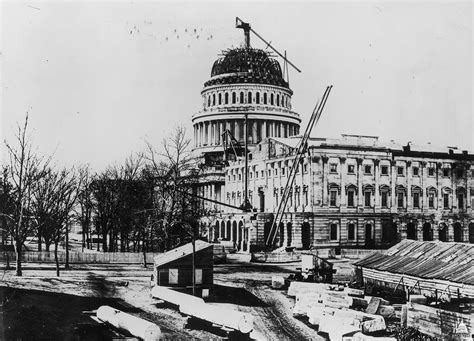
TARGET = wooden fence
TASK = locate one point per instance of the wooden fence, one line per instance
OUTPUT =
(97, 258)
(442, 324)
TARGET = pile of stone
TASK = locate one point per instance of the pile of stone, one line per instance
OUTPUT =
(341, 312)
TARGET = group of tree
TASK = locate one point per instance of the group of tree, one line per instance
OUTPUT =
(145, 204)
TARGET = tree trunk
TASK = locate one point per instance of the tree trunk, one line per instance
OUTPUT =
(39, 239)
(66, 265)
(18, 258)
(144, 254)
(47, 246)
(104, 241)
(56, 260)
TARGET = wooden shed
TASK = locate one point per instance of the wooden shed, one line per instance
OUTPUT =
(431, 268)
(174, 268)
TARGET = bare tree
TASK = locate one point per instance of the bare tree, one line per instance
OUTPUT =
(24, 169)
(85, 204)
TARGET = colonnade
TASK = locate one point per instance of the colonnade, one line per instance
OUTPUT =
(209, 133)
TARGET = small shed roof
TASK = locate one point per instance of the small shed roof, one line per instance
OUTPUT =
(432, 260)
(180, 252)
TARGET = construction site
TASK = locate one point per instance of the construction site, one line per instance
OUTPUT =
(298, 237)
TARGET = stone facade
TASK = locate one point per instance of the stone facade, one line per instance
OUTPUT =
(351, 192)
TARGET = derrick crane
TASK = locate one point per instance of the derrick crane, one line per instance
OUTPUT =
(299, 154)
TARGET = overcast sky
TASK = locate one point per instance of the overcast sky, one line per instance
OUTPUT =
(100, 78)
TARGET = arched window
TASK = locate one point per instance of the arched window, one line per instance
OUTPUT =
(257, 98)
(241, 98)
(209, 101)
(265, 98)
(220, 98)
(226, 98)
(278, 101)
(213, 99)
(271, 99)
(249, 98)
(234, 99)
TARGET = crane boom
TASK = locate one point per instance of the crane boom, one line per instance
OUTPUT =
(299, 154)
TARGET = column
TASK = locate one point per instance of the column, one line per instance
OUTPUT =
(254, 131)
(393, 180)
(409, 195)
(377, 203)
(435, 227)
(360, 195)
(282, 129)
(325, 180)
(423, 195)
(264, 130)
(237, 131)
(343, 182)
(419, 229)
(450, 230)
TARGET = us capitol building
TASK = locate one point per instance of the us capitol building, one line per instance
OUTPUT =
(352, 192)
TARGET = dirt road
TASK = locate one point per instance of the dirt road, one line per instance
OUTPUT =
(242, 286)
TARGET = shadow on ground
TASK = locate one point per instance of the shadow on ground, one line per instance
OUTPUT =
(40, 315)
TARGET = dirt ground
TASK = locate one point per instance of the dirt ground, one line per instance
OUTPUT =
(41, 306)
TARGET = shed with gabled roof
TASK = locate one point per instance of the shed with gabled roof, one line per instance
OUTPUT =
(174, 268)
(430, 267)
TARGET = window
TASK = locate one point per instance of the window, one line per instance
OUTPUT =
(250, 175)
(351, 231)
(333, 232)
(263, 174)
(173, 276)
(446, 200)
(333, 167)
(350, 169)
(278, 100)
(234, 98)
(257, 98)
(305, 167)
(265, 98)
(242, 98)
(415, 171)
(384, 170)
(400, 170)
(367, 196)
(431, 171)
(249, 98)
(271, 99)
(400, 202)
(198, 276)
(384, 199)
(234, 177)
(269, 172)
(431, 199)
(445, 172)
(367, 169)
(283, 171)
(416, 200)
(459, 173)
(276, 171)
(350, 198)
(226, 98)
(305, 194)
(240, 176)
(461, 201)
(333, 197)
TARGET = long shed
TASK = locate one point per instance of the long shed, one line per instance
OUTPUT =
(430, 268)
(174, 268)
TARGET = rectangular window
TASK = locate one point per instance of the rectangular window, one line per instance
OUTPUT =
(431, 171)
(332, 201)
(384, 199)
(351, 231)
(460, 201)
(283, 171)
(367, 169)
(333, 167)
(400, 202)
(240, 177)
(446, 172)
(350, 198)
(305, 167)
(235, 177)
(384, 170)
(431, 200)
(250, 175)
(415, 171)
(263, 174)
(333, 234)
(400, 171)
(173, 276)
(367, 196)
(305, 193)
(416, 200)
(276, 171)
(269, 173)
(446, 200)
(350, 169)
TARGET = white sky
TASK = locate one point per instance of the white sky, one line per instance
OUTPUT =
(100, 77)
